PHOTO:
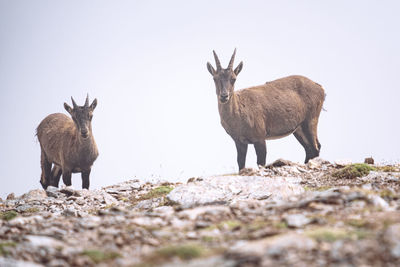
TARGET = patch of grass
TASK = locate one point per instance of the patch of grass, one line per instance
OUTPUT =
(327, 234)
(4, 245)
(207, 238)
(358, 223)
(280, 225)
(387, 168)
(184, 252)
(98, 256)
(32, 210)
(333, 234)
(354, 170)
(320, 188)
(8, 215)
(257, 225)
(230, 174)
(359, 234)
(157, 192)
(386, 193)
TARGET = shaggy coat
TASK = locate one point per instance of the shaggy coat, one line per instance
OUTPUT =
(68, 144)
(273, 110)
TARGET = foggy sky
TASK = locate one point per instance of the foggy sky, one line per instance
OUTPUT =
(145, 62)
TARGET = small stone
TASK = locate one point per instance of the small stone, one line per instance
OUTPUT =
(52, 191)
(297, 220)
(149, 203)
(191, 235)
(43, 241)
(314, 164)
(37, 194)
(70, 212)
(11, 196)
(202, 224)
(7, 262)
(69, 191)
(379, 202)
(392, 238)
(281, 162)
(369, 160)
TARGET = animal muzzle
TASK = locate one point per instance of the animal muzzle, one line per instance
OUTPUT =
(224, 98)
(85, 133)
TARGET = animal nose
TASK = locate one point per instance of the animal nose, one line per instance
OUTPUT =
(84, 133)
(224, 96)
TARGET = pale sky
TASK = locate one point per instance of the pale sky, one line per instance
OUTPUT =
(145, 62)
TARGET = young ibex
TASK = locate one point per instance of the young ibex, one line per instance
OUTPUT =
(269, 111)
(68, 144)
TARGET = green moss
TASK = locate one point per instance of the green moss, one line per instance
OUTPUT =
(98, 256)
(354, 170)
(184, 252)
(8, 215)
(157, 192)
(4, 245)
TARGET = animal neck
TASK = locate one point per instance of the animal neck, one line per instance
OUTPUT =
(87, 146)
(229, 109)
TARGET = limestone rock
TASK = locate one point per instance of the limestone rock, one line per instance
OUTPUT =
(225, 189)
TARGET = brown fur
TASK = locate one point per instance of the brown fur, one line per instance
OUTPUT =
(63, 144)
(268, 111)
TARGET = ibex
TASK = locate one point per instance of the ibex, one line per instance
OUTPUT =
(273, 110)
(68, 144)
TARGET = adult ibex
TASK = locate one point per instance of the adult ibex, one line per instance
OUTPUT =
(269, 111)
(68, 144)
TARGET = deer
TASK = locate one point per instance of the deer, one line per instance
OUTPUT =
(67, 144)
(276, 109)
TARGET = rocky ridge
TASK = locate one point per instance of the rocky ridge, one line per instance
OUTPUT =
(286, 214)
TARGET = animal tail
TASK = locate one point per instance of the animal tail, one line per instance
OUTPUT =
(324, 96)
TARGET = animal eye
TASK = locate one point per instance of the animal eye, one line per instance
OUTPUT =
(233, 80)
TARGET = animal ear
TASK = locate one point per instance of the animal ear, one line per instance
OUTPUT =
(94, 104)
(68, 108)
(238, 68)
(210, 69)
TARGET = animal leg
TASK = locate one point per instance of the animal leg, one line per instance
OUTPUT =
(85, 179)
(261, 151)
(307, 136)
(311, 133)
(66, 175)
(55, 175)
(301, 137)
(241, 154)
(46, 170)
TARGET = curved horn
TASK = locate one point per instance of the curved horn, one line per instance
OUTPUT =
(73, 102)
(87, 101)
(217, 61)
(230, 66)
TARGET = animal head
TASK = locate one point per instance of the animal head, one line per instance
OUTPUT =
(82, 115)
(224, 78)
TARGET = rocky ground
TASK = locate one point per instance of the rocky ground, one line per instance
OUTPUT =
(286, 214)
